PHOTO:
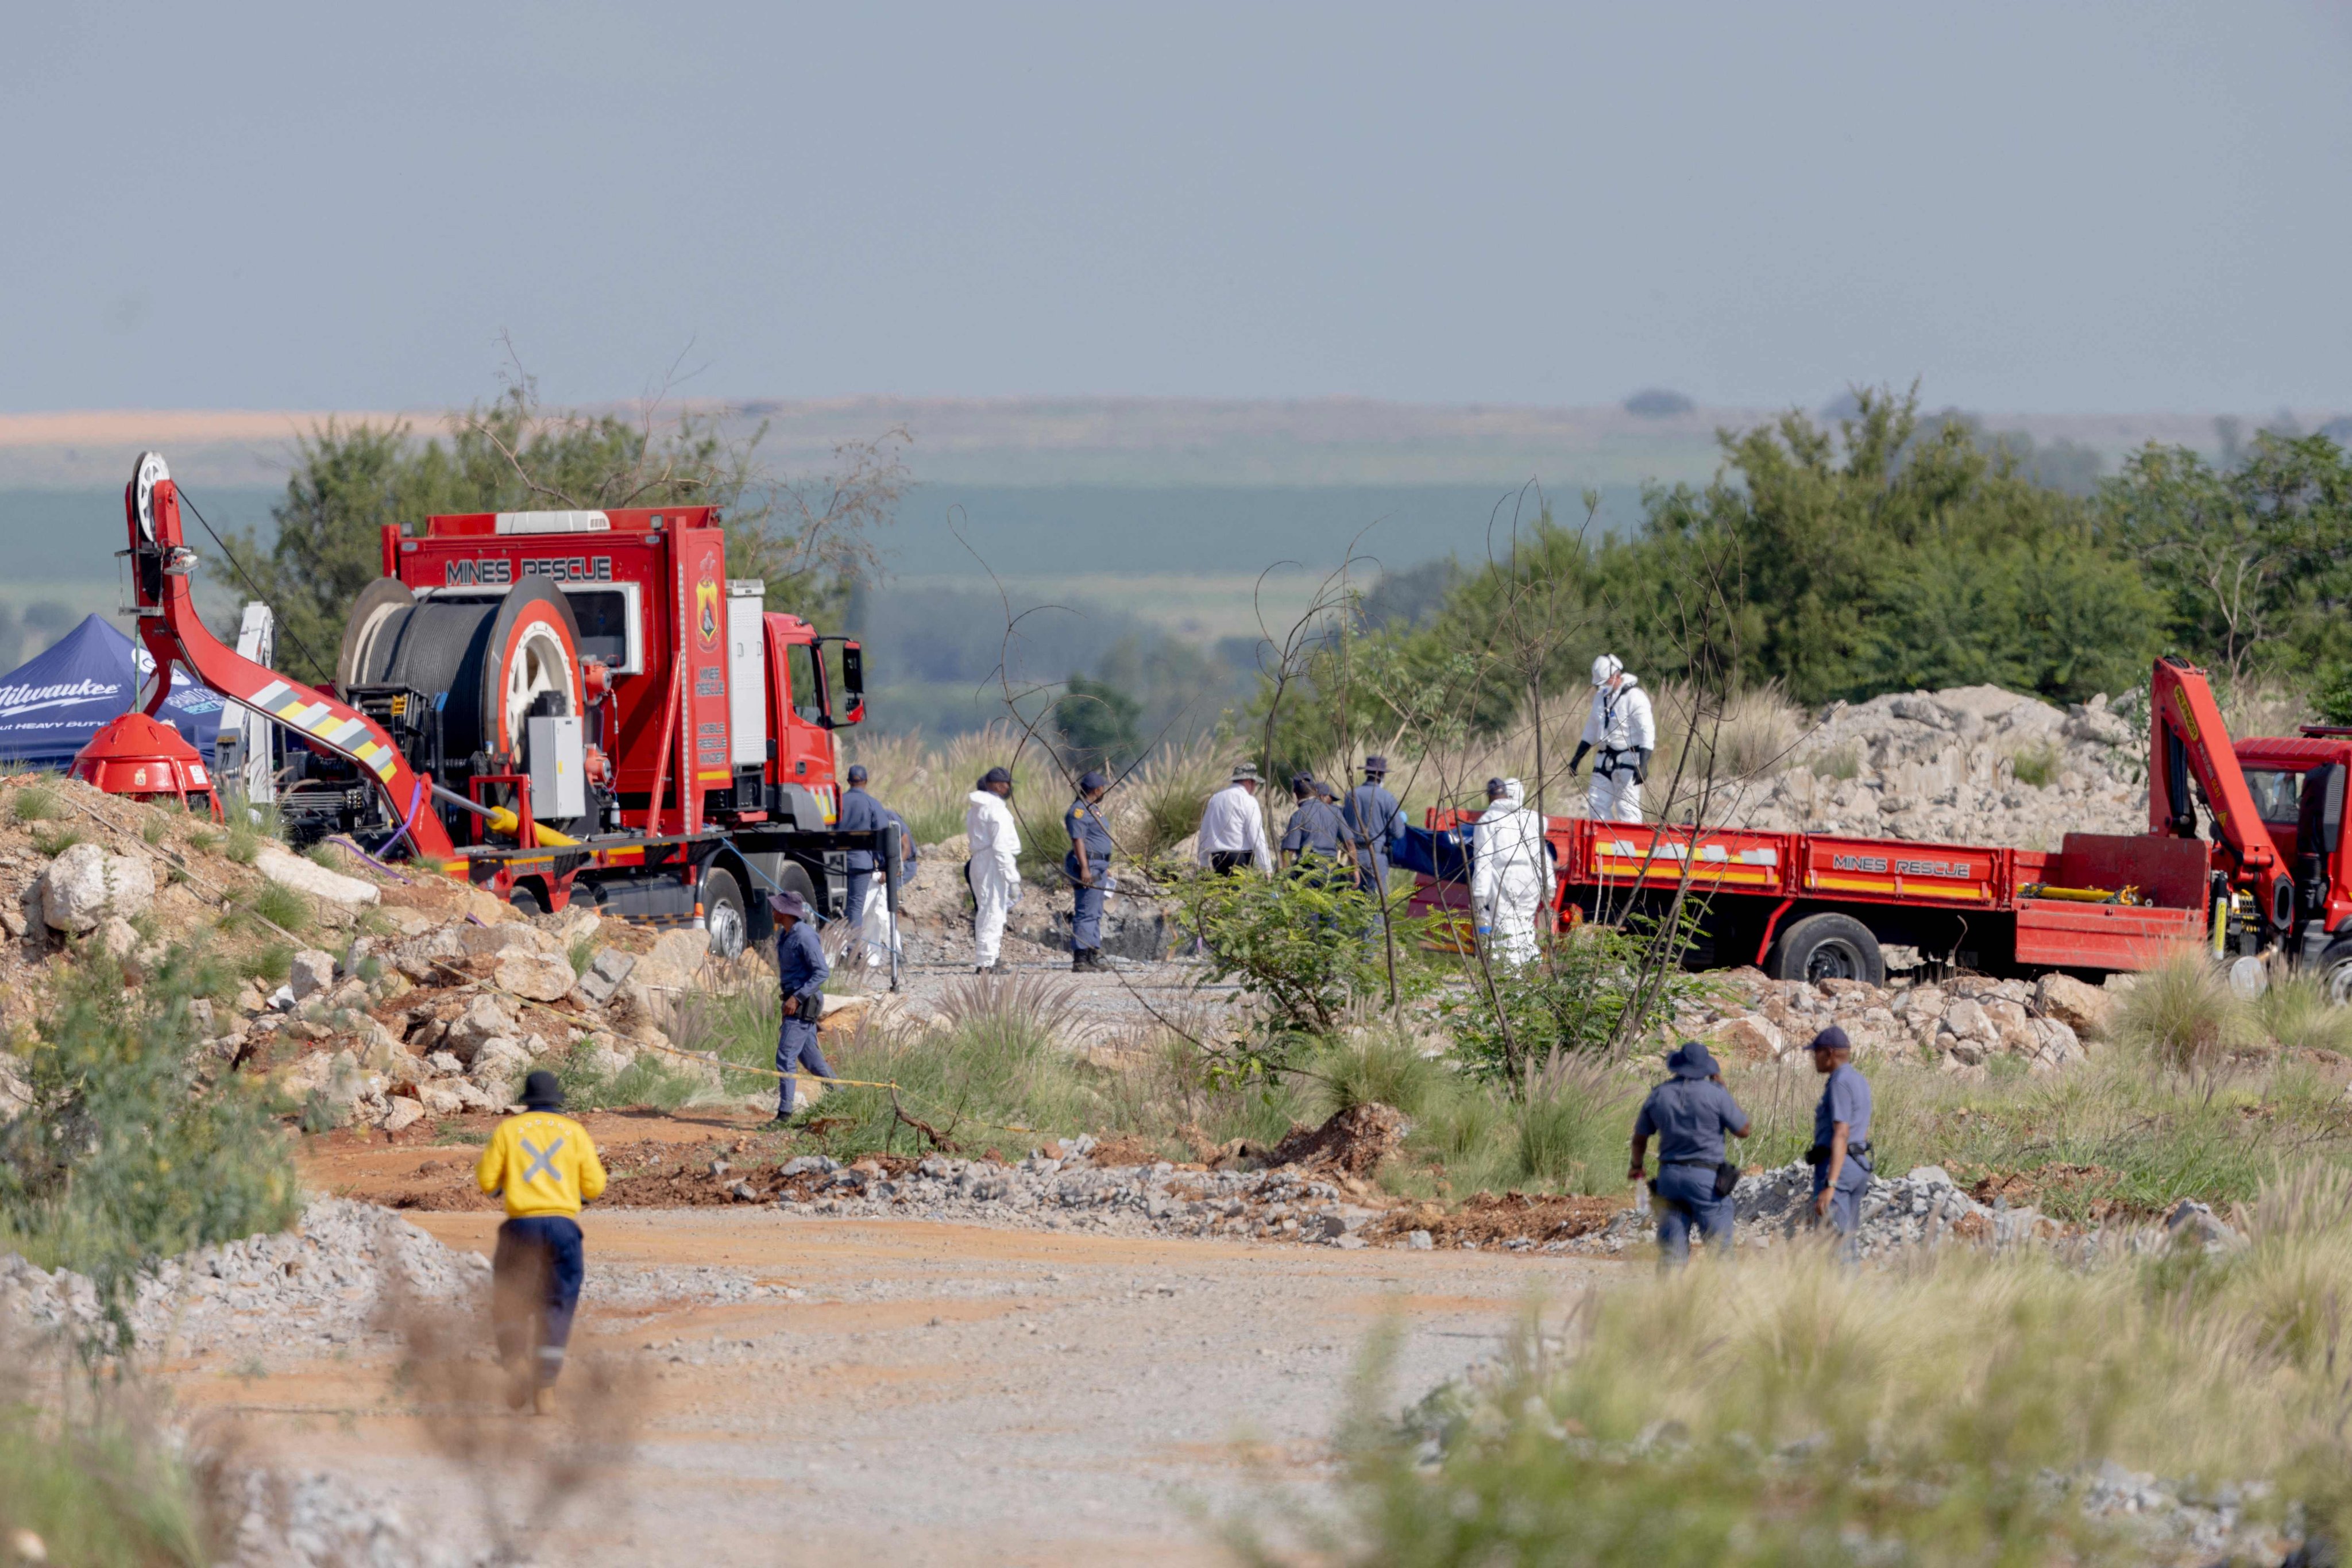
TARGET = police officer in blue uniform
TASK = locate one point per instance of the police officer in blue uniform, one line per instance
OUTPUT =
(1373, 815)
(1841, 1155)
(860, 812)
(800, 971)
(1087, 866)
(1317, 836)
(1688, 1114)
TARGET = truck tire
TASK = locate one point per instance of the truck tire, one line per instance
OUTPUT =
(1827, 947)
(722, 913)
(525, 899)
(2333, 969)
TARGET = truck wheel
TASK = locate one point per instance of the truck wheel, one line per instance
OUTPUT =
(2334, 968)
(1827, 947)
(722, 913)
(525, 900)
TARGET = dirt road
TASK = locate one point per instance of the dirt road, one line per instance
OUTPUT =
(938, 1394)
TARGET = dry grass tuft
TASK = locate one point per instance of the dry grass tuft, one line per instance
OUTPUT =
(2184, 1014)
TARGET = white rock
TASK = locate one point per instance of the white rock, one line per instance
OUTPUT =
(675, 963)
(499, 1066)
(289, 869)
(440, 1100)
(86, 884)
(486, 1017)
(314, 972)
(403, 1113)
(539, 976)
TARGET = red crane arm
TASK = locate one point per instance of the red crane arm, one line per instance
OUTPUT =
(2187, 738)
(172, 629)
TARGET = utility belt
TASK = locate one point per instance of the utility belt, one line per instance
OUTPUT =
(1727, 1174)
(1819, 1155)
(1612, 759)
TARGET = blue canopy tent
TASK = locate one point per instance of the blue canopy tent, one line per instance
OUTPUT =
(53, 703)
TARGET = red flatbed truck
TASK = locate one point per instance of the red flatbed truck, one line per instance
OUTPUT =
(2273, 876)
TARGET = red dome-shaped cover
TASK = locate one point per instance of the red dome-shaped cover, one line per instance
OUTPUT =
(141, 757)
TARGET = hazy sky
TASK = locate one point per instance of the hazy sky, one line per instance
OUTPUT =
(2038, 206)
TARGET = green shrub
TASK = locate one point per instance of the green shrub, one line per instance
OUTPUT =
(36, 803)
(1379, 1066)
(155, 829)
(1571, 1127)
(1844, 763)
(1583, 993)
(582, 953)
(124, 1157)
(55, 841)
(2183, 1013)
(2036, 764)
(648, 1080)
(2296, 1013)
(275, 903)
(270, 964)
(1293, 944)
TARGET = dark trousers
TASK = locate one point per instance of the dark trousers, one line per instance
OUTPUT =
(853, 909)
(1686, 1202)
(535, 1292)
(1085, 913)
(796, 1048)
(1226, 861)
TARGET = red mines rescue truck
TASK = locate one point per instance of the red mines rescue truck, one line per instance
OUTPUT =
(569, 704)
(2271, 875)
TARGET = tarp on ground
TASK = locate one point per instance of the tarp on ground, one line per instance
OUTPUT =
(54, 702)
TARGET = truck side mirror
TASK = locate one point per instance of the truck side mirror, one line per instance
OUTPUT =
(853, 683)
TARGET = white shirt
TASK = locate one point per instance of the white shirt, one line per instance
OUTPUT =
(993, 835)
(1621, 720)
(1231, 824)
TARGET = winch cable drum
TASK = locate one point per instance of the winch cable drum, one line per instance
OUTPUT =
(490, 663)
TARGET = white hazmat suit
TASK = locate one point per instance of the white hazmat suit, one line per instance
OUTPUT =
(1510, 873)
(995, 871)
(1621, 726)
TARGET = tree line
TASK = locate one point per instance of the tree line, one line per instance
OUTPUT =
(1889, 551)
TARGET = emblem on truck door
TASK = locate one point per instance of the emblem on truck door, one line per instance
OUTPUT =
(706, 600)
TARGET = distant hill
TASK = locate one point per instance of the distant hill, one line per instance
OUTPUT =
(1039, 441)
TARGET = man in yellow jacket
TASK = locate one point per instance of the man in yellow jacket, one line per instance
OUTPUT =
(546, 1166)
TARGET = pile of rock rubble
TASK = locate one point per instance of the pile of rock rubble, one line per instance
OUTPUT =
(1974, 764)
(327, 1283)
(1960, 1024)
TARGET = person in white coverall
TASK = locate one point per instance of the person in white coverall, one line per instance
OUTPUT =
(1621, 728)
(1509, 871)
(995, 871)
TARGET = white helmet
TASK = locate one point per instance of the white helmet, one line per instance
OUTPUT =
(1607, 665)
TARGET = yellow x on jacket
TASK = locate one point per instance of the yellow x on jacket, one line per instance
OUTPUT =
(543, 1163)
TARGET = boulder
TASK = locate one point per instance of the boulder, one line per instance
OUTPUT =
(2086, 1009)
(1750, 1037)
(402, 1113)
(499, 1066)
(485, 1018)
(538, 976)
(605, 975)
(86, 884)
(440, 1098)
(494, 941)
(313, 973)
(406, 920)
(675, 961)
(1965, 1020)
(289, 869)
(844, 1015)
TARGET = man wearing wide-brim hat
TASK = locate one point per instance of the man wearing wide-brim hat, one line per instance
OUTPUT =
(1232, 828)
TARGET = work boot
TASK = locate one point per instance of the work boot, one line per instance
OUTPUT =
(543, 1402)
